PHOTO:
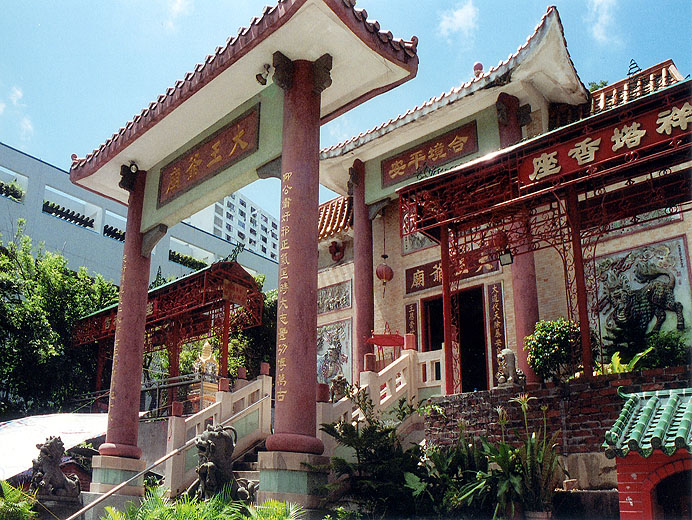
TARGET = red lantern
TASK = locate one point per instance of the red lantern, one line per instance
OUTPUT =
(384, 273)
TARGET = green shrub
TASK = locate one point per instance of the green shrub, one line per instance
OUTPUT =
(669, 349)
(15, 504)
(551, 347)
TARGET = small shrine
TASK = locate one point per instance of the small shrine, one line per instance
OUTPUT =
(207, 368)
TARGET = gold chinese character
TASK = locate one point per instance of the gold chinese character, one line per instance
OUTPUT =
(281, 363)
(285, 245)
(285, 216)
(285, 230)
(282, 348)
(437, 272)
(193, 166)
(417, 158)
(174, 181)
(238, 141)
(281, 395)
(437, 151)
(283, 332)
(544, 165)
(283, 287)
(418, 278)
(215, 154)
(674, 118)
(283, 318)
(287, 176)
(283, 303)
(397, 168)
(585, 151)
(286, 203)
(286, 190)
(284, 273)
(283, 258)
(281, 379)
(629, 135)
(457, 144)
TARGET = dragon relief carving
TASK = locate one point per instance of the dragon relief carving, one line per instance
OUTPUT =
(629, 307)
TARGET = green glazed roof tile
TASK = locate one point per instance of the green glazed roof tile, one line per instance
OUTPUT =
(652, 420)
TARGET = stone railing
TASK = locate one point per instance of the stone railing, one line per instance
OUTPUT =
(414, 376)
(247, 409)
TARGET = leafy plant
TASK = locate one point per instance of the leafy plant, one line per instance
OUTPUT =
(375, 476)
(669, 349)
(446, 471)
(15, 504)
(270, 509)
(551, 347)
(616, 366)
(156, 506)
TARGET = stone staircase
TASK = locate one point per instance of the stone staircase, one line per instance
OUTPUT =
(246, 467)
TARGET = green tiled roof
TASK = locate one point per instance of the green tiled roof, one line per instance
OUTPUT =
(652, 420)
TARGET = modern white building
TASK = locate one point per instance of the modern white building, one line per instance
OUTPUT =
(239, 219)
(88, 229)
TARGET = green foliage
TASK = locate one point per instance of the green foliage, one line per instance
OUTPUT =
(341, 513)
(551, 346)
(12, 190)
(15, 504)
(40, 300)
(628, 341)
(446, 471)
(270, 509)
(616, 365)
(156, 506)
(376, 478)
(596, 85)
(669, 349)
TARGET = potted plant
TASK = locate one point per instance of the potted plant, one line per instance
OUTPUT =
(551, 348)
(538, 460)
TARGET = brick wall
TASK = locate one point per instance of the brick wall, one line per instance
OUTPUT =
(582, 410)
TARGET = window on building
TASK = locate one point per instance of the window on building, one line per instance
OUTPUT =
(273, 255)
(218, 208)
(274, 225)
(241, 235)
(218, 222)
(241, 213)
(217, 232)
(264, 249)
(253, 222)
(264, 239)
(252, 242)
(228, 237)
(241, 224)
(232, 195)
(229, 227)
(264, 228)
(231, 206)
(275, 236)
(264, 218)
(273, 245)
(253, 231)
(242, 203)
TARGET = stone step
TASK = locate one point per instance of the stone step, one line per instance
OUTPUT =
(245, 466)
(253, 475)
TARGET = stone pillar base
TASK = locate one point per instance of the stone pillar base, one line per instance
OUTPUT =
(292, 477)
(110, 471)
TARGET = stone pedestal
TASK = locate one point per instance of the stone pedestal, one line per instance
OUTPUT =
(292, 477)
(109, 471)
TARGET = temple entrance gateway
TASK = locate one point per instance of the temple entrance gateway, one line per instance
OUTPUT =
(471, 320)
(251, 110)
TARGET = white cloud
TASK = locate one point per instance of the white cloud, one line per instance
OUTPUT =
(176, 9)
(2, 107)
(602, 20)
(462, 19)
(26, 128)
(16, 95)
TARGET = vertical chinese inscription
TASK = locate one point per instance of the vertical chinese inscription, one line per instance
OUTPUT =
(412, 318)
(497, 321)
(282, 348)
(230, 144)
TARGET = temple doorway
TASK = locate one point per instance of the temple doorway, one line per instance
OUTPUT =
(471, 334)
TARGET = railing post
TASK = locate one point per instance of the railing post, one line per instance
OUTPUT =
(266, 407)
(175, 466)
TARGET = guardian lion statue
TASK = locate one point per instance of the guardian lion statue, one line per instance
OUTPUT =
(47, 478)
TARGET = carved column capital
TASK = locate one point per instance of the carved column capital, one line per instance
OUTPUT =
(322, 77)
(283, 70)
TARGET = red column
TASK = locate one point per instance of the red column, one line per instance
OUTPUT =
(447, 309)
(362, 268)
(525, 295)
(296, 352)
(575, 234)
(100, 362)
(126, 381)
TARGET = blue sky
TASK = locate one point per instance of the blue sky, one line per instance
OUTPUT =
(73, 72)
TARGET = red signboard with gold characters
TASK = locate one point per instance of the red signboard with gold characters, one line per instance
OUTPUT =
(225, 147)
(422, 160)
(626, 137)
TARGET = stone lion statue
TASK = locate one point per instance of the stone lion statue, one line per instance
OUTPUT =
(47, 478)
(215, 469)
(508, 373)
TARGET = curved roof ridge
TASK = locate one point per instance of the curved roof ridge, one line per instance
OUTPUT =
(334, 217)
(214, 64)
(450, 96)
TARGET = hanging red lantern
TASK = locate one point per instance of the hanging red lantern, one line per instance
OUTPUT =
(384, 273)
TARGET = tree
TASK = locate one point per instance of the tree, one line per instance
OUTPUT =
(596, 85)
(40, 300)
